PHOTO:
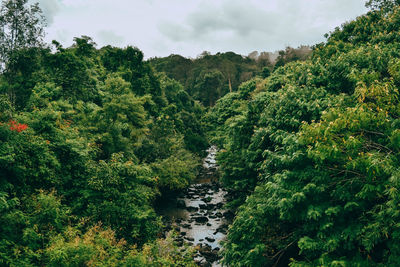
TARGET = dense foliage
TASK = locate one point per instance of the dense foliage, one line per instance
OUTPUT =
(312, 153)
(209, 77)
(88, 140)
(309, 147)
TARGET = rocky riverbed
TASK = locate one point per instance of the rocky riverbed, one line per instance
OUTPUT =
(198, 214)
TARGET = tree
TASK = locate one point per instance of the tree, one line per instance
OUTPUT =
(21, 26)
(209, 86)
(384, 5)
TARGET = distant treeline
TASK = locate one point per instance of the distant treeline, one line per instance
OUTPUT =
(209, 77)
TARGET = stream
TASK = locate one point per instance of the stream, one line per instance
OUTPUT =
(198, 214)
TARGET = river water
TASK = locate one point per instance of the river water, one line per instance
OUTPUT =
(198, 214)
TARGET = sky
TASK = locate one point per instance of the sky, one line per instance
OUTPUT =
(189, 27)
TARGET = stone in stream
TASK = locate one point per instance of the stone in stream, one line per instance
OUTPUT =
(201, 219)
(207, 253)
(202, 193)
(192, 209)
(208, 206)
(202, 262)
(186, 225)
(189, 238)
(203, 206)
(210, 239)
(221, 230)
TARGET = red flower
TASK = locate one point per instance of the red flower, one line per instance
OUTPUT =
(15, 126)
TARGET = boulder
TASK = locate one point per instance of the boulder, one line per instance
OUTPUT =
(210, 239)
(192, 209)
(201, 219)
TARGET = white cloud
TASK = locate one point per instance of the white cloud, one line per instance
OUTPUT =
(160, 27)
(50, 9)
(110, 37)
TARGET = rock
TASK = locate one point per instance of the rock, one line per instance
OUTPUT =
(189, 238)
(202, 262)
(205, 263)
(183, 233)
(208, 224)
(211, 206)
(220, 230)
(192, 209)
(210, 239)
(186, 225)
(203, 206)
(205, 248)
(201, 219)
(209, 255)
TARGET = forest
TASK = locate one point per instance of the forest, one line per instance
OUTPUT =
(91, 138)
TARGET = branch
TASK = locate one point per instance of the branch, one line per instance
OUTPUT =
(280, 253)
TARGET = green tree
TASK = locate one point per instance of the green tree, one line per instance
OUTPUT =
(384, 5)
(21, 26)
(210, 86)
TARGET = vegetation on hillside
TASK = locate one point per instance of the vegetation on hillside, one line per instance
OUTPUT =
(312, 153)
(309, 147)
(209, 77)
(88, 139)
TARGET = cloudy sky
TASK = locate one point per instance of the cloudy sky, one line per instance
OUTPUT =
(188, 27)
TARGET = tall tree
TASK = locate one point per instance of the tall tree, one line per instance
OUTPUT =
(21, 26)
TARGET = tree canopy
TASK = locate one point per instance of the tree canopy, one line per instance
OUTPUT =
(311, 154)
